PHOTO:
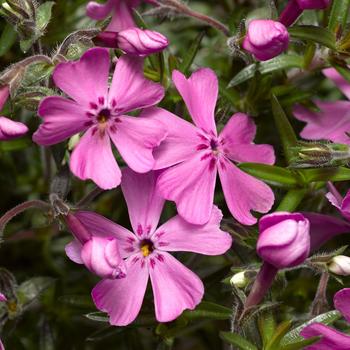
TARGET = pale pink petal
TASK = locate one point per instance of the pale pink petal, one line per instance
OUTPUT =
(191, 186)
(73, 251)
(122, 298)
(143, 200)
(4, 95)
(331, 123)
(130, 89)
(122, 17)
(244, 193)
(135, 139)
(85, 80)
(175, 288)
(93, 159)
(100, 11)
(237, 137)
(62, 118)
(342, 83)
(10, 129)
(200, 93)
(1, 345)
(342, 302)
(181, 141)
(100, 226)
(179, 235)
(334, 196)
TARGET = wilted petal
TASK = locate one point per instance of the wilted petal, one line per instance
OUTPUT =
(342, 302)
(62, 118)
(85, 80)
(175, 288)
(331, 338)
(342, 84)
(100, 226)
(135, 139)
(93, 159)
(200, 92)
(143, 200)
(122, 298)
(191, 186)
(238, 135)
(130, 89)
(179, 235)
(180, 142)
(331, 123)
(244, 193)
(9, 129)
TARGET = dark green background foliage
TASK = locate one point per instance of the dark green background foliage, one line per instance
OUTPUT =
(50, 312)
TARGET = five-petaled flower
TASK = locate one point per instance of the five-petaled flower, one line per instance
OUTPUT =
(195, 153)
(175, 287)
(101, 113)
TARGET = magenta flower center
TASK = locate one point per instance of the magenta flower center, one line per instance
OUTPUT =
(103, 115)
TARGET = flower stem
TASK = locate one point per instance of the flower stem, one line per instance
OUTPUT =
(20, 208)
(320, 303)
(86, 200)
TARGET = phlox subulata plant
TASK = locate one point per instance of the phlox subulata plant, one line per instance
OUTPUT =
(174, 174)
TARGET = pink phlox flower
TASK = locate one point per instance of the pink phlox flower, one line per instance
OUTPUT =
(9, 129)
(332, 122)
(342, 204)
(100, 111)
(332, 339)
(195, 153)
(146, 253)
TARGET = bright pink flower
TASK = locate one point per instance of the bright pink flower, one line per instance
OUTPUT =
(175, 287)
(332, 122)
(121, 11)
(9, 129)
(101, 113)
(284, 239)
(195, 153)
(343, 204)
(265, 39)
(331, 338)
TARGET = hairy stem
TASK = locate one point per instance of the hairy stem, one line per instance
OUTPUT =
(320, 303)
(86, 200)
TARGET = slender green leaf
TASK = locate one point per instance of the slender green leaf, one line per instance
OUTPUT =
(7, 39)
(292, 199)
(316, 34)
(238, 341)
(285, 130)
(98, 316)
(339, 15)
(191, 54)
(267, 326)
(43, 15)
(344, 71)
(209, 310)
(272, 174)
(326, 174)
(275, 64)
(300, 344)
(294, 336)
(281, 330)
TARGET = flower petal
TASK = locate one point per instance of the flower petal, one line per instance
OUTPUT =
(181, 140)
(342, 302)
(244, 193)
(73, 251)
(179, 235)
(191, 186)
(334, 196)
(93, 159)
(85, 80)
(343, 84)
(135, 139)
(130, 89)
(62, 118)
(175, 288)
(100, 11)
(331, 338)
(10, 129)
(331, 123)
(200, 93)
(122, 298)
(122, 17)
(100, 226)
(143, 200)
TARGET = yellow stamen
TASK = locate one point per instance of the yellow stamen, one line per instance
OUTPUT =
(146, 249)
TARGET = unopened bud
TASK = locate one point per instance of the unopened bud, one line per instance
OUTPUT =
(239, 280)
(340, 265)
(318, 155)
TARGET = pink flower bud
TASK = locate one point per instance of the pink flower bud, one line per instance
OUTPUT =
(340, 265)
(266, 39)
(101, 256)
(313, 4)
(9, 129)
(135, 41)
(284, 239)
